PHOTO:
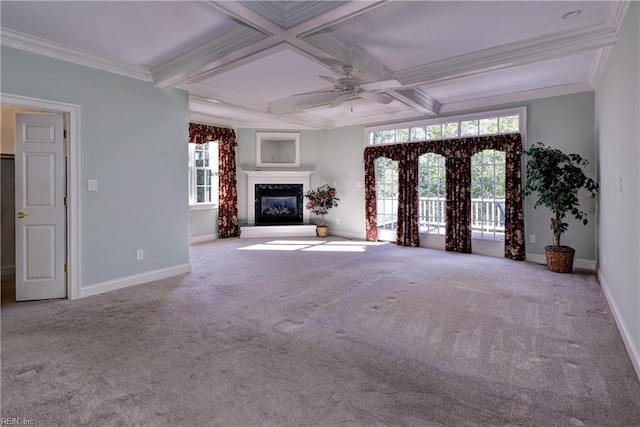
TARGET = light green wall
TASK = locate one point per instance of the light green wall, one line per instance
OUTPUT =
(618, 144)
(335, 156)
(564, 122)
(134, 143)
(203, 222)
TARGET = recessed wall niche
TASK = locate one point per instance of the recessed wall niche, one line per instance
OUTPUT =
(278, 149)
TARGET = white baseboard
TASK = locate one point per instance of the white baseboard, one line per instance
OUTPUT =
(585, 264)
(7, 269)
(347, 234)
(203, 238)
(632, 347)
(136, 279)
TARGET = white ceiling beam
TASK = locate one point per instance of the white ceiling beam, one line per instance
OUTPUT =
(510, 55)
(179, 68)
(347, 11)
(248, 43)
(364, 64)
(277, 34)
(417, 100)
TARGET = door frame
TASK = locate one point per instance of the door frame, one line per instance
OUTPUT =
(72, 172)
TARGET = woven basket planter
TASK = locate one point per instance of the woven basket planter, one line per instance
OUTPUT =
(322, 231)
(559, 258)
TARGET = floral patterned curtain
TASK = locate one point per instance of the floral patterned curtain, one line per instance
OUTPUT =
(458, 153)
(408, 201)
(227, 184)
(407, 230)
(458, 204)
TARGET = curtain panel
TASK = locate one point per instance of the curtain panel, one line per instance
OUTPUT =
(227, 180)
(457, 153)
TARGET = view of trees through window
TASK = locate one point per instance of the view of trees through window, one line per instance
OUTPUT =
(487, 173)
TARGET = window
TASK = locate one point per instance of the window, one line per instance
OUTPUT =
(487, 123)
(488, 195)
(387, 193)
(432, 198)
(203, 174)
(488, 171)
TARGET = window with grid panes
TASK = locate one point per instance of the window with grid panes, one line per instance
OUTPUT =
(203, 174)
(488, 195)
(432, 197)
(387, 193)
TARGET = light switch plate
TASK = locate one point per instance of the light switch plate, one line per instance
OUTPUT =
(93, 185)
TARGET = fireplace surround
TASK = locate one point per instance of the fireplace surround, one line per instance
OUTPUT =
(278, 186)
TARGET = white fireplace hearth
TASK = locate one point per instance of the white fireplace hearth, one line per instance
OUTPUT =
(253, 230)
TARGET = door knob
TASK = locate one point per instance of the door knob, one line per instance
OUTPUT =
(22, 214)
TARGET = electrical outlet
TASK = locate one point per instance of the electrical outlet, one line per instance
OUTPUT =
(93, 185)
(532, 238)
(337, 221)
(140, 254)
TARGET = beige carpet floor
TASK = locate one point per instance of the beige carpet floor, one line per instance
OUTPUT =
(324, 333)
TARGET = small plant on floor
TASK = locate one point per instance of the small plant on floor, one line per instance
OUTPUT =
(321, 200)
(557, 177)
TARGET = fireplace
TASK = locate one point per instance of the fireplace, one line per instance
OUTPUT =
(278, 204)
(271, 209)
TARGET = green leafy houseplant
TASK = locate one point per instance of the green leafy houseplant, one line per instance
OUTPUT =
(557, 177)
(321, 200)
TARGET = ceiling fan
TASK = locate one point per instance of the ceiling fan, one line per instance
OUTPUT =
(350, 87)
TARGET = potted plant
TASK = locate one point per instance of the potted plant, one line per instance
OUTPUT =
(557, 177)
(320, 201)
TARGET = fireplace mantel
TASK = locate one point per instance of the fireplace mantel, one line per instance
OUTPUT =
(275, 177)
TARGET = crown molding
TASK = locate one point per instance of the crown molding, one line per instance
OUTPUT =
(63, 52)
(178, 69)
(615, 14)
(292, 104)
(510, 55)
(524, 96)
(377, 118)
(273, 121)
(598, 66)
(311, 120)
(209, 94)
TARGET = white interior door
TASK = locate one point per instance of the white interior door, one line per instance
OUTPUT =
(40, 210)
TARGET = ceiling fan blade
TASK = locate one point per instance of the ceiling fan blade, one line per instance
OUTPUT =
(338, 101)
(377, 97)
(381, 85)
(329, 79)
(314, 92)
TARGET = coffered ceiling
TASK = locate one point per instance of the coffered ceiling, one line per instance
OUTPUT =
(246, 63)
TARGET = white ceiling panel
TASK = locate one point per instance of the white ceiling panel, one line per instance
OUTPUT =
(405, 34)
(555, 72)
(143, 33)
(281, 74)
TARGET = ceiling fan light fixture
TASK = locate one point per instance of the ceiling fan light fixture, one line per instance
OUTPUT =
(572, 14)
